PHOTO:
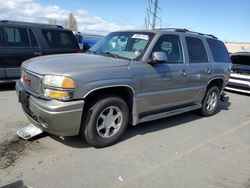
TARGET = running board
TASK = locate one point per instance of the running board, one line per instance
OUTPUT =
(169, 113)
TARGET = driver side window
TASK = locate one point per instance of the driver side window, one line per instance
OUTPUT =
(171, 46)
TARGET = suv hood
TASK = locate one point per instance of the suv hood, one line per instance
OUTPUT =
(67, 63)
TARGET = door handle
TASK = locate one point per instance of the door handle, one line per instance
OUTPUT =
(183, 72)
(37, 53)
(208, 70)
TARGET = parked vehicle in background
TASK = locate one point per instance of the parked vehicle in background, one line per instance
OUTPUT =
(240, 74)
(20, 41)
(128, 77)
(90, 40)
(79, 39)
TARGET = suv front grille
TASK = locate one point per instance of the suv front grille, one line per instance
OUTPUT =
(31, 81)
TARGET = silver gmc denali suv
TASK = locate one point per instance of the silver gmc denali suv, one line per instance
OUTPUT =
(128, 77)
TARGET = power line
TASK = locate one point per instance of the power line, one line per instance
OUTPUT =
(152, 20)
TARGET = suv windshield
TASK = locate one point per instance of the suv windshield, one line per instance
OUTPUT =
(125, 45)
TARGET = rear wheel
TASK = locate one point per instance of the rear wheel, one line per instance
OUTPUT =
(211, 101)
(105, 122)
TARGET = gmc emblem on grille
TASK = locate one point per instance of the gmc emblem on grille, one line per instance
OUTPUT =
(26, 80)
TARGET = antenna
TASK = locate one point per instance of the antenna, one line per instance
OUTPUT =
(152, 20)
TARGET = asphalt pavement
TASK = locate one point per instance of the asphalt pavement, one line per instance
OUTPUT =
(181, 151)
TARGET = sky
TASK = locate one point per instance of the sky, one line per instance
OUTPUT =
(229, 20)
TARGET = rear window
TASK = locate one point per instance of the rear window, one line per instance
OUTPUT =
(60, 39)
(16, 37)
(219, 51)
(196, 50)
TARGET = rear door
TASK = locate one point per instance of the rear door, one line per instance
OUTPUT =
(19, 44)
(60, 41)
(200, 67)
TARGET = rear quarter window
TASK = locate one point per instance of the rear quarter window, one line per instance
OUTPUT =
(219, 51)
(60, 39)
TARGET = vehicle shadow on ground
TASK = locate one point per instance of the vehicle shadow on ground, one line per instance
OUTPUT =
(144, 128)
(16, 184)
(7, 87)
(165, 123)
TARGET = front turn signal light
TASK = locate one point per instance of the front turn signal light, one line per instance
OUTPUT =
(56, 94)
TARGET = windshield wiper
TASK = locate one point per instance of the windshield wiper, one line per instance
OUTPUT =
(91, 52)
(110, 54)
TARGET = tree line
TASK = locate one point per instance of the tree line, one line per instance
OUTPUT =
(70, 23)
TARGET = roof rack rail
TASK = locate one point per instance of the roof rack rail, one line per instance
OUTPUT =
(174, 29)
(186, 31)
(203, 34)
(31, 23)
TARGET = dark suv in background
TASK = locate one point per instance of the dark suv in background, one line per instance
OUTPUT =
(20, 41)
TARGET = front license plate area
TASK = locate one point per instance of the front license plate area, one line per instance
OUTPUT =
(24, 98)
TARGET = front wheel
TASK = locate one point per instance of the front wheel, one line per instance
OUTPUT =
(105, 121)
(211, 102)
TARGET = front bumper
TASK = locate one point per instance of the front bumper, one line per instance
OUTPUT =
(52, 116)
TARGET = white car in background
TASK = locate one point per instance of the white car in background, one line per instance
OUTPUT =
(240, 74)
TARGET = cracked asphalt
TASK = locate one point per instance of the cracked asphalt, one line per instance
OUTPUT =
(181, 151)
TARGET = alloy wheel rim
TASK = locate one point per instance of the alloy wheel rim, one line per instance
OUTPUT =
(211, 101)
(109, 122)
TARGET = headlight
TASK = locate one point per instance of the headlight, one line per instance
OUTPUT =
(58, 87)
(58, 81)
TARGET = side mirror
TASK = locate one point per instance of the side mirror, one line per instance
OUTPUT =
(158, 57)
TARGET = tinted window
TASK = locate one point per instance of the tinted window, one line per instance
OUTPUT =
(218, 50)
(171, 45)
(196, 50)
(1, 36)
(60, 39)
(33, 39)
(15, 37)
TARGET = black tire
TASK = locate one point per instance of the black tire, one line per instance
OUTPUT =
(205, 110)
(91, 120)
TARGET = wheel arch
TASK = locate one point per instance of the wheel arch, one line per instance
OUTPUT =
(218, 81)
(124, 91)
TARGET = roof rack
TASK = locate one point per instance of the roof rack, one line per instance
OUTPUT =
(183, 30)
(31, 24)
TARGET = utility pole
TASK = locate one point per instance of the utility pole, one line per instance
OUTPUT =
(152, 20)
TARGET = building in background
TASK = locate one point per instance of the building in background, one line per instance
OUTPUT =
(234, 47)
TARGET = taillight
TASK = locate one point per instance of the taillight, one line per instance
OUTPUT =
(79, 51)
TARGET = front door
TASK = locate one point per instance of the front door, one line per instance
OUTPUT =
(163, 84)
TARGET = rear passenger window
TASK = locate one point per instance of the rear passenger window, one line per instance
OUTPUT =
(219, 51)
(33, 40)
(171, 45)
(196, 50)
(16, 37)
(60, 39)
